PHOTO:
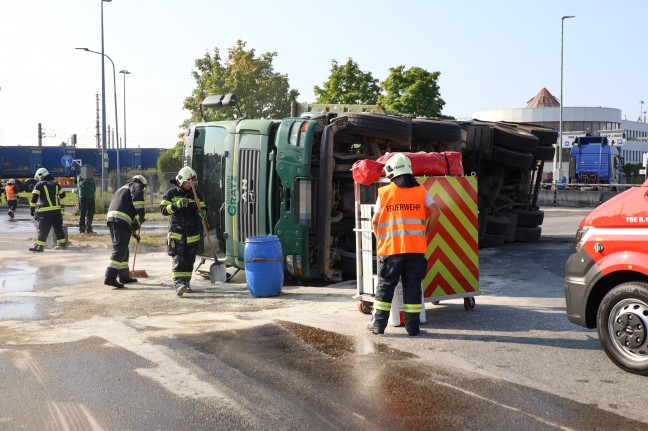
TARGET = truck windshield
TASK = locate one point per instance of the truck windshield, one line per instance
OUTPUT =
(209, 163)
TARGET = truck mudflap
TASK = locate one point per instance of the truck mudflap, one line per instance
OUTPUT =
(581, 274)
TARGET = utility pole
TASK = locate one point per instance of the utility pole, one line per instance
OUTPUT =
(98, 135)
(40, 135)
(107, 137)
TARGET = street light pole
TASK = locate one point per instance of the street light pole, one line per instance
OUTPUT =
(104, 116)
(558, 169)
(103, 105)
(125, 72)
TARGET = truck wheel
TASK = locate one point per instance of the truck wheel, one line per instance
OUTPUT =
(546, 138)
(497, 224)
(508, 157)
(544, 153)
(490, 240)
(435, 130)
(514, 139)
(529, 217)
(379, 126)
(622, 321)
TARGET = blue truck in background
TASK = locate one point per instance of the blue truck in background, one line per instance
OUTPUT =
(22, 162)
(594, 161)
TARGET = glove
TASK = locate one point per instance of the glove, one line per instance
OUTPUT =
(136, 236)
(135, 226)
(180, 203)
(202, 214)
(32, 211)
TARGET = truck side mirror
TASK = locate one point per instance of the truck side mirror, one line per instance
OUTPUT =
(213, 101)
(230, 99)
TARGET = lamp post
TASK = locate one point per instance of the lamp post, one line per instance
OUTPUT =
(103, 106)
(641, 112)
(104, 116)
(558, 168)
(125, 72)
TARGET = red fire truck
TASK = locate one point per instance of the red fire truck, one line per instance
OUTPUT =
(606, 279)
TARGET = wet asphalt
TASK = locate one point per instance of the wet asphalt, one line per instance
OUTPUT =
(285, 374)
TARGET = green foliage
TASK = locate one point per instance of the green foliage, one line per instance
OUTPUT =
(347, 84)
(262, 92)
(171, 160)
(414, 92)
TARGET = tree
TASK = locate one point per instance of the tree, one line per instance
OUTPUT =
(171, 160)
(348, 84)
(414, 91)
(262, 92)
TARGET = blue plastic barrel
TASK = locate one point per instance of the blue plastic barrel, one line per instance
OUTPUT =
(264, 268)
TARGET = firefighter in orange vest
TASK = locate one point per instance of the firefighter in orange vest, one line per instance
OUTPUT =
(12, 199)
(403, 219)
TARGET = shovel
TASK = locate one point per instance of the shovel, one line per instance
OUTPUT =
(218, 271)
(141, 273)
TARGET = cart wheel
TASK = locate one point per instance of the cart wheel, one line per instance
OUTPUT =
(469, 303)
(365, 307)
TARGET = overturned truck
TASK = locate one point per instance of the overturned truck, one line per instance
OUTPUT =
(292, 178)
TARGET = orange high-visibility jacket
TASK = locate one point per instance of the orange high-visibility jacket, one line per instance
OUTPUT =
(402, 219)
(10, 190)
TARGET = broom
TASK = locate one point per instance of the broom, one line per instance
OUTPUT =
(141, 273)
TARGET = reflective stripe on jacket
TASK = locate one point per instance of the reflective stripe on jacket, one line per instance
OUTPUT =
(401, 222)
(47, 194)
(10, 191)
(127, 203)
(185, 225)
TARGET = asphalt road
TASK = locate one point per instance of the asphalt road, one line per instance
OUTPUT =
(78, 355)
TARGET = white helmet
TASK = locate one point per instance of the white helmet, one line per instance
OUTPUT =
(40, 174)
(398, 164)
(186, 174)
(140, 178)
(11, 181)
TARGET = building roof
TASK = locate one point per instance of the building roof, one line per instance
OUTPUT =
(544, 99)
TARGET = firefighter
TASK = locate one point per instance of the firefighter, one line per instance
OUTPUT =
(10, 194)
(126, 205)
(86, 189)
(45, 207)
(404, 217)
(179, 205)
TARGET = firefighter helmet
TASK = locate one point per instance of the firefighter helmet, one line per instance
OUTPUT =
(140, 179)
(11, 181)
(41, 174)
(398, 164)
(186, 174)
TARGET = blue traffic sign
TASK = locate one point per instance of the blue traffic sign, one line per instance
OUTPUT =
(67, 161)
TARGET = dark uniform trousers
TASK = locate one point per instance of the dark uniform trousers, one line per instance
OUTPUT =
(86, 213)
(410, 268)
(13, 204)
(184, 257)
(120, 234)
(46, 221)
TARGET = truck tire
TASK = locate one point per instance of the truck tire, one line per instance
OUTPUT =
(546, 137)
(544, 153)
(380, 126)
(497, 224)
(529, 217)
(622, 322)
(508, 157)
(20, 187)
(435, 130)
(527, 234)
(347, 264)
(490, 240)
(514, 139)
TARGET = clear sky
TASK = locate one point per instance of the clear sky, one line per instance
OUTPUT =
(491, 55)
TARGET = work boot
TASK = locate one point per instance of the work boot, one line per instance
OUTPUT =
(11, 214)
(82, 230)
(62, 246)
(89, 230)
(127, 279)
(375, 329)
(36, 247)
(412, 324)
(181, 289)
(189, 289)
(110, 281)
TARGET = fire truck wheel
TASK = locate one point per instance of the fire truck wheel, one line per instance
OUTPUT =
(365, 307)
(622, 323)
(469, 303)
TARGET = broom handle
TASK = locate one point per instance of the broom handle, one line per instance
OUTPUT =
(204, 225)
(136, 246)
